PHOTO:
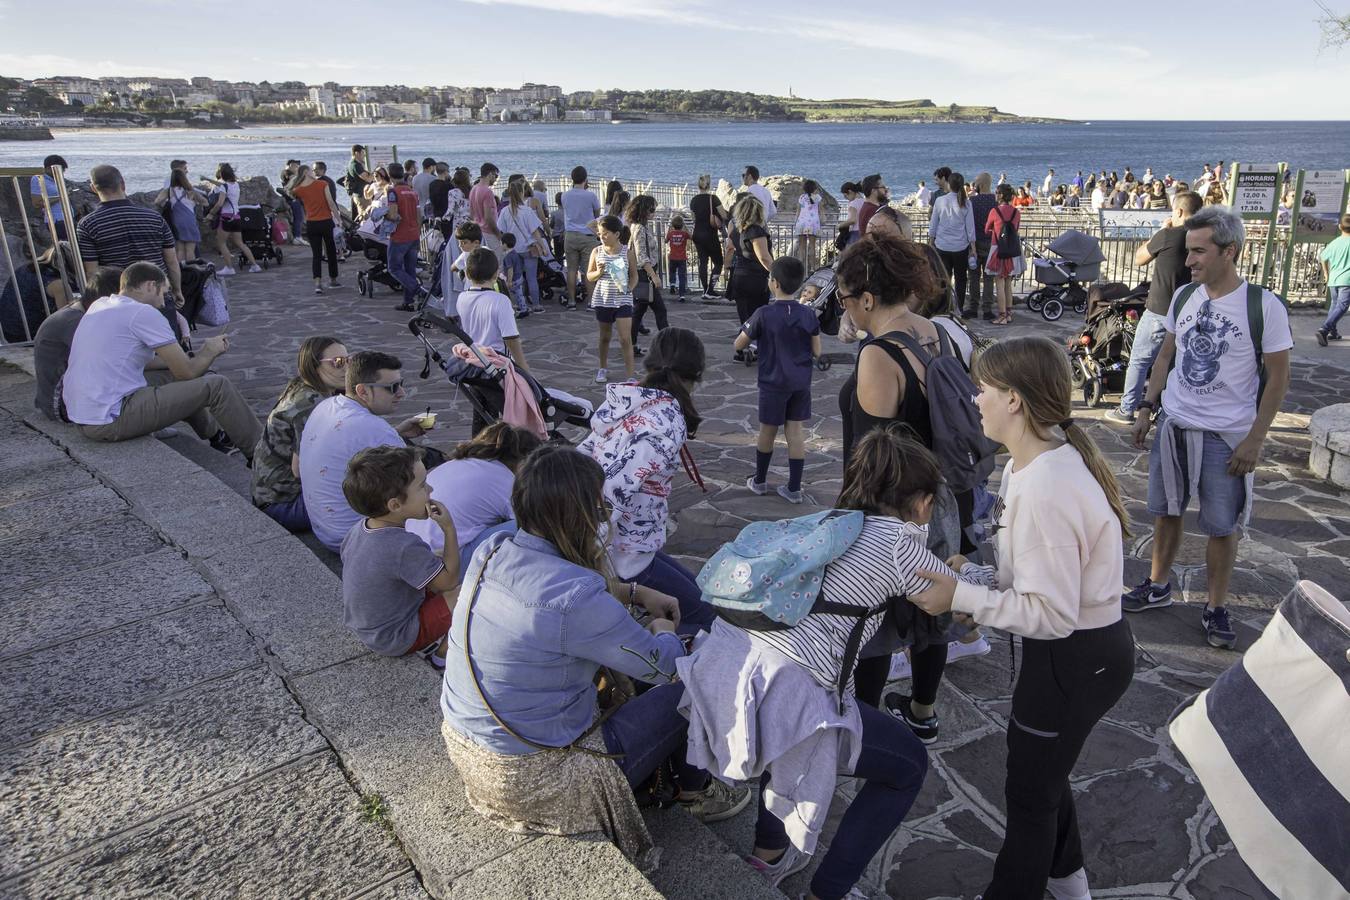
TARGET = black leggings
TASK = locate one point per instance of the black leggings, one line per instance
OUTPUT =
(709, 251)
(319, 233)
(1064, 688)
(928, 664)
(750, 290)
(649, 297)
(958, 266)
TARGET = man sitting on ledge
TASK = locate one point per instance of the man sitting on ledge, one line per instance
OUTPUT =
(342, 426)
(128, 377)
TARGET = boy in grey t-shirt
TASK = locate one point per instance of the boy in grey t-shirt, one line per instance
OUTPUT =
(397, 594)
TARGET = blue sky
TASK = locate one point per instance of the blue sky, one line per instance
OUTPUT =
(1161, 60)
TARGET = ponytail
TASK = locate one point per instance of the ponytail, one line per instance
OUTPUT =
(675, 361)
(501, 442)
(1087, 448)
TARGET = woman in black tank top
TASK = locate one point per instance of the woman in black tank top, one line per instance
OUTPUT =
(877, 278)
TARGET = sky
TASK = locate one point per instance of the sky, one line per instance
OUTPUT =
(1165, 60)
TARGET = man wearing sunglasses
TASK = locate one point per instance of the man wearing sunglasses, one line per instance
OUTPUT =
(342, 426)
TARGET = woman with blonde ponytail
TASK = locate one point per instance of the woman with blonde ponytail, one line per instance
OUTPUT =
(1057, 584)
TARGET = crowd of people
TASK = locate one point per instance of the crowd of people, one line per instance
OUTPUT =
(530, 572)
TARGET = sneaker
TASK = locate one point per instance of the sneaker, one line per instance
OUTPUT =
(1334, 336)
(537, 309)
(1218, 628)
(601, 376)
(408, 307)
(958, 650)
(790, 496)
(790, 863)
(221, 443)
(925, 730)
(1321, 337)
(717, 802)
(254, 268)
(987, 315)
(225, 271)
(643, 329)
(522, 314)
(568, 304)
(334, 283)
(969, 313)
(638, 351)
(757, 487)
(1119, 416)
(318, 289)
(900, 667)
(1070, 887)
(1147, 596)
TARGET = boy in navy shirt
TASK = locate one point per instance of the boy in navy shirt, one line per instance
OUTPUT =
(788, 336)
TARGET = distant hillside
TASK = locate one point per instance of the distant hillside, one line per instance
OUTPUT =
(924, 110)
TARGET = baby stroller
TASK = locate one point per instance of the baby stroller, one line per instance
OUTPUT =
(1100, 354)
(256, 228)
(481, 383)
(1077, 260)
(552, 278)
(378, 273)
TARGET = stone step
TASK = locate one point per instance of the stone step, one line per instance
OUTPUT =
(697, 865)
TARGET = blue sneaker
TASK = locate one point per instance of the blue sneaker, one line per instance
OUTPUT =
(1218, 628)
(1147, 596)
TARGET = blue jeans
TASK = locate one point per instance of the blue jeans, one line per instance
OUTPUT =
(292, 516)
(1223, 497)
(892, 764)
(1148, 338)
(648, 730)
(1337, 303)
(679, 275)
(530, 269)
(669, 577)
(403, 266)
(297, 219)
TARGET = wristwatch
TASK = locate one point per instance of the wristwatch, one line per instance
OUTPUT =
(1146, 404)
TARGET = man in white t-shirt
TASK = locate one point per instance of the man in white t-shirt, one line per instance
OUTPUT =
(129, 377)
(1098, 196)
(342, 426)
(1049, 184)
(1221, 332)
(924, 196)
(485, 313)
(750, 178)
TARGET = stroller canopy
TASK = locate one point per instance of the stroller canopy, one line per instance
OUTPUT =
(1078, 247)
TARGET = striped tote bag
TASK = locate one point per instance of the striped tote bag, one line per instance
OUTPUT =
(1270, 742)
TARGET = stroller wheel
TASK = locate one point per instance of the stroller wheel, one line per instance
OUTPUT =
(1035, 300)
(1092, 391)
(1076, 374)
(278, 252)
(1052, 310)
(265, 264)
(361, 283)
(823, 363)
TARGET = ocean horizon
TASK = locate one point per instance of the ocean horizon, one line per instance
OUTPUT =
(829, 152)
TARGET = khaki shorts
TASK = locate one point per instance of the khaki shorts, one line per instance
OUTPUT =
(577, 247)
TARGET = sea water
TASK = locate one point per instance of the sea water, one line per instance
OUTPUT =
(679, 152)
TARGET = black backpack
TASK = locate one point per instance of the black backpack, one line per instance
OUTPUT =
(1009, 244)
(964, 453)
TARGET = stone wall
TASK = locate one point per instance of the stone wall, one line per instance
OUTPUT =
(1329, 457)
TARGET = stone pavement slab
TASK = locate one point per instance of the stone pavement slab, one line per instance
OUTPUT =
(297, 831)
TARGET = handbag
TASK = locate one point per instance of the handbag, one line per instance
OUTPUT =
(1269, 743)
(537, 247)
(713, 218)
(478, 686)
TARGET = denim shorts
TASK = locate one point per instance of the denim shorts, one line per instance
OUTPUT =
(1223, 497)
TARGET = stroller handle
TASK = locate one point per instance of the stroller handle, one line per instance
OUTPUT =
(451, 327)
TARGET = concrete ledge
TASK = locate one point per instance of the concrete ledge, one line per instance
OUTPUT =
(1329, 456)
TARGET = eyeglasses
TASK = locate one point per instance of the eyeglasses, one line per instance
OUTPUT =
(392, 388)
(841, 296)
(337, 362)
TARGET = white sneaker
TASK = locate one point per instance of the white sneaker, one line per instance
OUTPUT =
(255, 268)
(900, 667)
(755, 486)
(791, 862)
(225, 271)
(601, 375)
(1070, 887)
(957, 650)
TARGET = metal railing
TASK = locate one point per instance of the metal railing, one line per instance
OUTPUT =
(72, 282)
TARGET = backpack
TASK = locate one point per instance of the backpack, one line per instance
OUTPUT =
(215, 310)
(769, 578)
(1009, 245)
(964, 453)
(1256, 325)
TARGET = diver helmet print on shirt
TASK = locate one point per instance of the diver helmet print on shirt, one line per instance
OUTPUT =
(1203, 346)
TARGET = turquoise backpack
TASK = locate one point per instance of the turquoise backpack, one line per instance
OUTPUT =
(769, 578)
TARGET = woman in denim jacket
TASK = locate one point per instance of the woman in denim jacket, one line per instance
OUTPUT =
(536, 620)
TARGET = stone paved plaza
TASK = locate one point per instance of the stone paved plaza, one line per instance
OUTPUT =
(184, 714)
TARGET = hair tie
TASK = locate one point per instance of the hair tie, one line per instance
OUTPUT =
(1065, 424)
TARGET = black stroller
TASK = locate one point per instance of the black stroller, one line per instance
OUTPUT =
(552, 278)
(256, 230)
(817, 292)
(481, 383)
(1099, 356)
(378, 273)
(1077, 261)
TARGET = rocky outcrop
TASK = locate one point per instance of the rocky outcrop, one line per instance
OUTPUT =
(1329, 456)
(784, 189)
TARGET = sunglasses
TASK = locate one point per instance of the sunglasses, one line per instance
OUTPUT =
(606, 510)
(392, 388)
(337, 362)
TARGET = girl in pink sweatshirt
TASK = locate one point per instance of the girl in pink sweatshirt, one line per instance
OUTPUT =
(1057, 584)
